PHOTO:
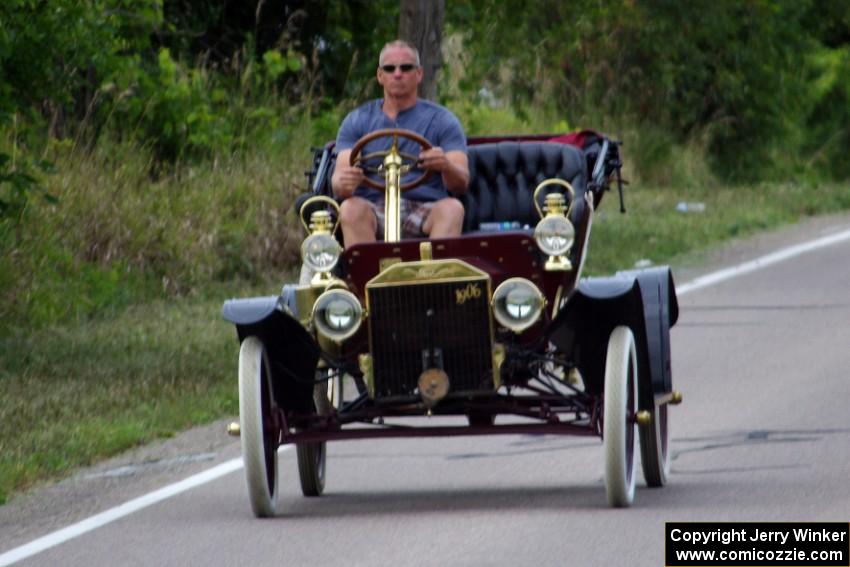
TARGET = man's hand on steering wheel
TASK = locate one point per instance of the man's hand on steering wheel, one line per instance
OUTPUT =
(346, 178)
(433, 159)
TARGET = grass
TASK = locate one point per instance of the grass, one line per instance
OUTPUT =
(110, 298)
(654, 230)
(77, 392)
(120, 232)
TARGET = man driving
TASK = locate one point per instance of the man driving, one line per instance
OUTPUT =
(428, 210)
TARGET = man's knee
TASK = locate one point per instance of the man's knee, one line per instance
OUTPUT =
(358, 221)
(449, 209)
(445, 219)
(355, 212)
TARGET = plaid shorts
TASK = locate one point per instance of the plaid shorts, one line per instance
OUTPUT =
(413, 215)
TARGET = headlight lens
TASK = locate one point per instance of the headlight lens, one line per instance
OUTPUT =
(517, 304)
(554, 235)
(337, 314)
(320, 252)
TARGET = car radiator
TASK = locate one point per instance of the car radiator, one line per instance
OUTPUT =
(443, 324)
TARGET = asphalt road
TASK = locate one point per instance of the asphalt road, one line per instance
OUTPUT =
(763, 435)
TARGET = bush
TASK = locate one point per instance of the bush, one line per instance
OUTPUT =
(827, 134)
(115, 236)
(17, 185)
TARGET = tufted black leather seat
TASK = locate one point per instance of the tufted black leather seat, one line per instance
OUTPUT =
(503, 177)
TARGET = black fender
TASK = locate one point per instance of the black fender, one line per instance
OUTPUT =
(293, 352)
(643, 300)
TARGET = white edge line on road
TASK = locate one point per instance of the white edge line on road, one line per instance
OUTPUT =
(761, 262)
(92, 523)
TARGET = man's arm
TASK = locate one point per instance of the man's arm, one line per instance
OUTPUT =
(345, 178)
(453, 166)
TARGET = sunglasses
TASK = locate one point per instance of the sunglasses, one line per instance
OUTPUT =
(405, 68)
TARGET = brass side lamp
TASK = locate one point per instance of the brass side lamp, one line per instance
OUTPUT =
(554, 233)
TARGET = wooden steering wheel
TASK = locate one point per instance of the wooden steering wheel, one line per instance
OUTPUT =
(408, 161)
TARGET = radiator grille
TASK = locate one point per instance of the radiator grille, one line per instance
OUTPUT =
(460, 327)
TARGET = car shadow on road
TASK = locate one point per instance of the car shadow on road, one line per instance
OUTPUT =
(449, 501)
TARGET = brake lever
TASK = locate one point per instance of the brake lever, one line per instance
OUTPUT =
(620, 184)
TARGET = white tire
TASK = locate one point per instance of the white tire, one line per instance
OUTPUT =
(654, 448)
(259, 443)
(619, 407)
(312, 459)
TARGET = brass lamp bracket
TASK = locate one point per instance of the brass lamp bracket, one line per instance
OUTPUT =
(555, 203)
(320, 221)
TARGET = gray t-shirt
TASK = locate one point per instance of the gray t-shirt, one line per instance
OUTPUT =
(433, 122)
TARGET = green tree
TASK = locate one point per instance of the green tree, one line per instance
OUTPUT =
(733, 70)
(54, 54)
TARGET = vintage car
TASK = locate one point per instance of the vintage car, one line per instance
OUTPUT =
(496, 326)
